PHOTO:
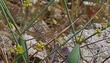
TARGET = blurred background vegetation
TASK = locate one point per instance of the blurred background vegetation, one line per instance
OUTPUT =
(37, 31)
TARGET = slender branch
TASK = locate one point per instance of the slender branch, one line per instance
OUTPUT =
(105, 59)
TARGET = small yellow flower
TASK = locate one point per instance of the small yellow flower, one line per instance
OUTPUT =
(98, 31)
(19, 49)
(26, 3)
(40, 46)
(79, 39)
(104, 25)
(12, 50)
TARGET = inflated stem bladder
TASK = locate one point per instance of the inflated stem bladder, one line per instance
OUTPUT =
(74, 56)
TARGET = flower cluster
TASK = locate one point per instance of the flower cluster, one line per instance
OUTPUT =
(18, 49)
(80, 39)
(26, 3)
(40, 46)
(98, 31)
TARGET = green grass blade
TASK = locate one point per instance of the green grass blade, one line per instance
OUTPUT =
(7, 19)
(11, 19)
